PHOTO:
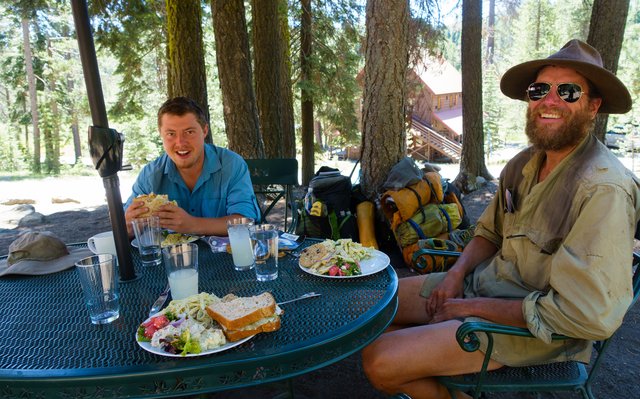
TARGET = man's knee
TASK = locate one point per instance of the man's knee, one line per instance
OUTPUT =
(374, 366)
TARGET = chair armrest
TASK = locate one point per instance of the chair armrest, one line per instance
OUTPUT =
(468, 340)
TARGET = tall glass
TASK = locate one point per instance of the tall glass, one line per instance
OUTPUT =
(149, 237)
(181, 264)
(264, 238)
(99, 278)
(238, 230)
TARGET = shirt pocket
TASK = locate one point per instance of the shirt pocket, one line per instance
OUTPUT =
(528, 251)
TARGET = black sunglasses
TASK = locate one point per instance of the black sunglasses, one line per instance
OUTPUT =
(568, 92)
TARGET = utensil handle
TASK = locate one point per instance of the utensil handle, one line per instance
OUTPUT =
(305, 296)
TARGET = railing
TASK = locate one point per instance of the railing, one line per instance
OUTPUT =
(423, 136)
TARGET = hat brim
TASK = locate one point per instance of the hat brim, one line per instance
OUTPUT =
(38, 267)
(615, 96)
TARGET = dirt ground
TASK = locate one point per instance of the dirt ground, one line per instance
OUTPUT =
(618, 377)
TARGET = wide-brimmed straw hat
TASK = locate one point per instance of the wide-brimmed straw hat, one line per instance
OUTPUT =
(586, 61)
(37, 253)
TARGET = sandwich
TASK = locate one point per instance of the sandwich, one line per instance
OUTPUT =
(153, 202)
(242, 317)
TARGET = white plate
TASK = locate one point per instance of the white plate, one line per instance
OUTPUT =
(377, 262)
(191, 238)
(158, 351)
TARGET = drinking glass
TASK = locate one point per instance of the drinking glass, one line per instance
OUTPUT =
(181, 264)
(264, 239)
(99, 279)
(149, 236)
(238, 230)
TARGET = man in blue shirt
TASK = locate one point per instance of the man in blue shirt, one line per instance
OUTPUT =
(209, 183)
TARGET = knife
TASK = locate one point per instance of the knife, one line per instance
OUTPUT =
(157, 305)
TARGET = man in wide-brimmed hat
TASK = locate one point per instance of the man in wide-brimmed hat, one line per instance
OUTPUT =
(551, 252)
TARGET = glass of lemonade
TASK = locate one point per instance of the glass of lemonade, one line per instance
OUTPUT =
(181, 264)
(241, 250)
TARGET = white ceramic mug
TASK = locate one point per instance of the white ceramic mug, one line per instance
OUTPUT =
(102, 243)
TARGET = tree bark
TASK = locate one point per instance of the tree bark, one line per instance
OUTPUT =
(53, 147)
(606, 32)
(383, 114)
(286, 91)
(33, 97)
(472, 161)
(268, 57)
(491, 31)
(234, 72)
(185, 49)
(306, 96)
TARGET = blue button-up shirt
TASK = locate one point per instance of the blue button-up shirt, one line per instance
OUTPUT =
(223, 188)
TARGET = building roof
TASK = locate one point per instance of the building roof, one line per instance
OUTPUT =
(452, 118)
(439, 75)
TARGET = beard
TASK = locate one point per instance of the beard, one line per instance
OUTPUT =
(547, 138)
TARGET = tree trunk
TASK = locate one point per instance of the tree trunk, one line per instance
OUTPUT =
(491, 31)
(606, 32)
(234, 72)
(383, 114)
(31, 79)
(53, 158)
(472, 161)
(185, 48)
(268, 57)
(306, 95)
(77, 148)
(286, 92)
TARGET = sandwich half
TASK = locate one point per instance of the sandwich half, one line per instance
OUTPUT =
(241, 317)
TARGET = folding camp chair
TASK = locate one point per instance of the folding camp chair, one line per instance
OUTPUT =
(274, 179)
(562, 376)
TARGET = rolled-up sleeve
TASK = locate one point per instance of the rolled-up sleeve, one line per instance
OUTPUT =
(590, 272)
(241, 198)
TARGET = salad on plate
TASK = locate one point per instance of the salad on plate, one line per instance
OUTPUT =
(183, 327)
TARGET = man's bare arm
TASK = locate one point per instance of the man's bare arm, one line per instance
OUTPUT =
(478, 250)
(501, 311)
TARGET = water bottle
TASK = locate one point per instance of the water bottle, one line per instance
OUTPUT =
(309, 199)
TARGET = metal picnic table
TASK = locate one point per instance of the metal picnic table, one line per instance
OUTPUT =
(49, 348)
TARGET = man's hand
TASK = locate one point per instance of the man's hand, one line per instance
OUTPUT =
(134, 211)
(174, 218)
(452, 308)
(450, 287)
(497, 310)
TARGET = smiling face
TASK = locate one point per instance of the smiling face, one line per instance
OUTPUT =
(183, 140)
(554, 124)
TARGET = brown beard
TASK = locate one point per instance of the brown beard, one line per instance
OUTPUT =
(568, 135)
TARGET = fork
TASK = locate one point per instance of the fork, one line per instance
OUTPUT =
(305, 296)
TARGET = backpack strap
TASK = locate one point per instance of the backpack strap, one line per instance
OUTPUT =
(417, 228)
(446, 216)
(420, 199)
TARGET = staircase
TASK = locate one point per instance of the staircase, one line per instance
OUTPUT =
(422, 137)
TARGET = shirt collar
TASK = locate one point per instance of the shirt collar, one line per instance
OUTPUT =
(212, 164)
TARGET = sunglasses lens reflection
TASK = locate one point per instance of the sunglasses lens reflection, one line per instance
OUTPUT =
(568, 92)
(537, 91)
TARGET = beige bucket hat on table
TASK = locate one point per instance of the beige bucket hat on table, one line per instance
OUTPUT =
(586, 61)
(40, 252)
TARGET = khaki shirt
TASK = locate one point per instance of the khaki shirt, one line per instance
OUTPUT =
(566, 248)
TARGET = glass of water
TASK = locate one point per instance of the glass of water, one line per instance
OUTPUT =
(99, 279)
(149, 237)
(264, 240)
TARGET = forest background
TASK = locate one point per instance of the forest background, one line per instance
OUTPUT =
(151, 50)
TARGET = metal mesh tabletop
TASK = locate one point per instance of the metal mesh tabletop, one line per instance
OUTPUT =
(48, 347)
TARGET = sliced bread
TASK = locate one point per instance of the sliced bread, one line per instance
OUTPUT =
(239, 312)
